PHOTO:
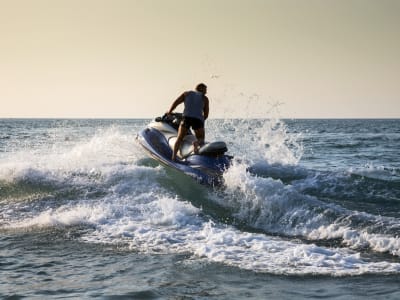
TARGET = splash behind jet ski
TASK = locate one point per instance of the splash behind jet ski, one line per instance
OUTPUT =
(206, 166)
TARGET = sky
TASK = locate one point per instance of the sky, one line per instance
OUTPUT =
(259, 58)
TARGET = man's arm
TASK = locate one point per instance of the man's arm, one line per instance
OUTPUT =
(206, 108)
(178, 101)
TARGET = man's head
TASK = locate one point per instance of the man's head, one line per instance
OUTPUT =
(202, 88)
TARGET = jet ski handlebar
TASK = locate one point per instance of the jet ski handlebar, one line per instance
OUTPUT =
(173, 119)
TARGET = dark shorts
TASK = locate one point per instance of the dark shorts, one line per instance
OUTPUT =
(192, 122)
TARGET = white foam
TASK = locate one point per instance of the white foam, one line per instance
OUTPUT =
(358, 239)
(167, 225)
(371, 170)
(63, 216)
(267, 254)
(106, 148)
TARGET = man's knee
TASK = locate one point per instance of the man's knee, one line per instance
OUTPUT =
(179, 139)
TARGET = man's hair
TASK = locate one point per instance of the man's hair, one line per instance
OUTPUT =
(200, 86)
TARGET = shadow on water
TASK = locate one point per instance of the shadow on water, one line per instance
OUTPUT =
(198, 195)
(188, 189)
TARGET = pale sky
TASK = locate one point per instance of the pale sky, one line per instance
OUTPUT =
(132, 58)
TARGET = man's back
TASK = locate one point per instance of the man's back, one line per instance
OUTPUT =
(194, 105)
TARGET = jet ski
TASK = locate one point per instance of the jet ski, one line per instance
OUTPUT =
(206, 166)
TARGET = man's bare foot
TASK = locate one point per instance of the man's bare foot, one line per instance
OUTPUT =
(196, 147)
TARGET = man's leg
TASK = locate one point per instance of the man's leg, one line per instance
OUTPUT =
(200, 135)
(181, 134)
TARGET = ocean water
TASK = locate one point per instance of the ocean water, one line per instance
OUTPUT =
(310, 209)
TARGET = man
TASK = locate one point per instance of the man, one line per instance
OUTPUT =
(194, 114)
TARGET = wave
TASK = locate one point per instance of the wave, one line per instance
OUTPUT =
(272, 206)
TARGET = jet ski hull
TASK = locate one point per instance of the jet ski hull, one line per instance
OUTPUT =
(204, 169)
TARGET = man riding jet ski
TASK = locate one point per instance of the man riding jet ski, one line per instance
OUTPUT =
(195, 113)
(170, 141)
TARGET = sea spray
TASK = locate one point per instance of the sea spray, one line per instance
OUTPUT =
(257, 140)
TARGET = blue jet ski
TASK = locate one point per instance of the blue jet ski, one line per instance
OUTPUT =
(206, 167)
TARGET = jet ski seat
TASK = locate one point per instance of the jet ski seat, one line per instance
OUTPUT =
(213, 149)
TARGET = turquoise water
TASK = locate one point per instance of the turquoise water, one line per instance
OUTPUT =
(309, 209)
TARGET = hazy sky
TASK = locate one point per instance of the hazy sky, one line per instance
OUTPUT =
(131, 59)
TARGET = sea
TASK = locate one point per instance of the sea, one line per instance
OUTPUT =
(309, 209)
